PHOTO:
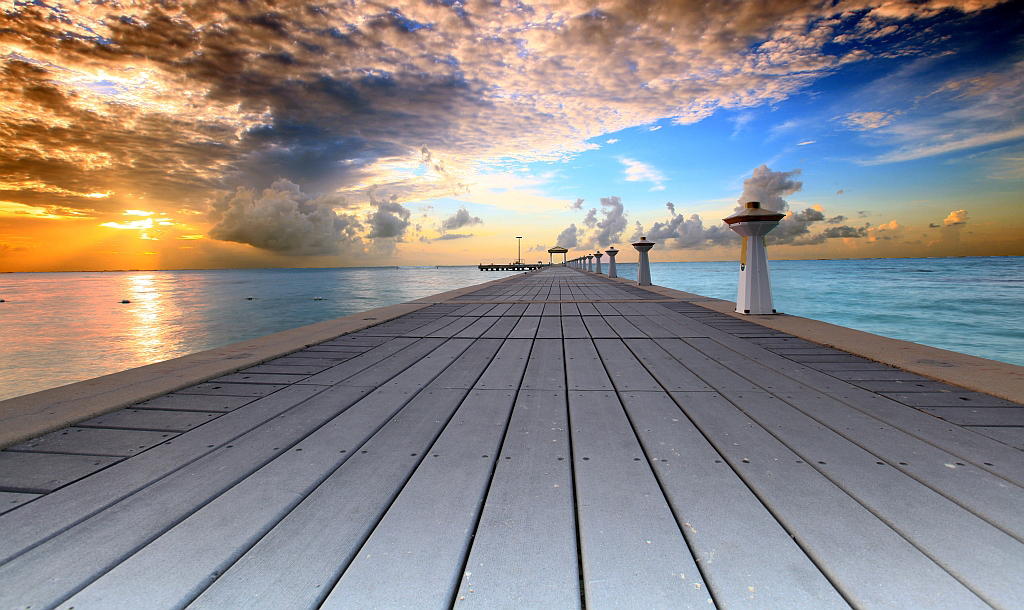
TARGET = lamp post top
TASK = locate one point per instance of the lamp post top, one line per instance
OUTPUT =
(752, 212)
(643, 245)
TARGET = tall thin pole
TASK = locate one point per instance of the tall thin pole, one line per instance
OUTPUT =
(519, 257)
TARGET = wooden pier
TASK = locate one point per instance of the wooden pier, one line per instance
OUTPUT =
(511, 267)
(553, 440)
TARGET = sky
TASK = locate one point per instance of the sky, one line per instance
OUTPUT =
(212, 134)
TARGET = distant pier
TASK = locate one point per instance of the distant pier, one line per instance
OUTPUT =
(551, 440)
(512, 267)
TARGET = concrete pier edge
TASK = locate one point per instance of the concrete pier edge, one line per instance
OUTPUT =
(31, 415)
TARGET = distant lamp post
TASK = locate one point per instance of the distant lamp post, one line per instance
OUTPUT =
(755, 290)
(598, 256)
(519, 252)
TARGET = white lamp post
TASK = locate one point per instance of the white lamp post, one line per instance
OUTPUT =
(643, 271)
(755, 289)
(519, 251)
(598, 256)
(611, 252)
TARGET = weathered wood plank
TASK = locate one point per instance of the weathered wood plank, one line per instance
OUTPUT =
(191, 402)
(151, 419)
(232, 389)
(526, 328)
(626, 372)
(94, 441)
(262, 500)
(583, 367)
(550, 328)
(362, 362)
(524, 551)
(730, 539)
(505, 371)
(38, 473)
(10, 500)
(545, 369)
(833, 529)
(631, 549)
(598, 328)
(573, 328)
(294, 565)
(414, 557)
(65, 507)
(51, 572)
(988, 566)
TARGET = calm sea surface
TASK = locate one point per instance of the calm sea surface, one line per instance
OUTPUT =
(58, 328)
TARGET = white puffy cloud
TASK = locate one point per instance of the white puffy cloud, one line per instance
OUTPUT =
(284, 219)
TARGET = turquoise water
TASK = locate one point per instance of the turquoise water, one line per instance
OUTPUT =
(59, 328)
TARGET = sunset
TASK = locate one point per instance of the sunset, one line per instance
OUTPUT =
(287, 134)
(512, 304)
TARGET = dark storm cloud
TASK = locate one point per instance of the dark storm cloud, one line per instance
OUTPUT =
(844, 231)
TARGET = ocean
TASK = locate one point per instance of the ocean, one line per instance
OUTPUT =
(59, 328)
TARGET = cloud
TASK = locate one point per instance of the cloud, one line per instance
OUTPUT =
(681, 232)
(389, 220)
(959, 217)
(590, 220)
(839, 192)
(188, 102)
(807, 142)
(671, 207)
(569, 238)
(284, 219)
(459, 219)
(447, 236)
(577, 205)
(637, 171)
(959, 114)
(864, 121)
(609, 229)
(844, 231)
(612, 141)
(769, 188)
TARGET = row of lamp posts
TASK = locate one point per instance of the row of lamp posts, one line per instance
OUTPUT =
(755, 291)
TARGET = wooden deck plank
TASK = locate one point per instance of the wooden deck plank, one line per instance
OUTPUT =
(524, 550)
(414, 557)
(464, 372)
(988, 567)
(526, 328)
(598, 328)
(361, 362)
(573, 328)
(10, 500)
(733, 539)
(190, 402)
(294, 565)
(38, 473)
(150, 419)
(505, 370)
(65, 507)
(263, 499)
(232, 389)
(856, 551)
(94, 441)
(626, 372)
(583, 367)
(995, 457)
(623, 328)
(550, 327)
(545, 369)
(631, 548)
(51, 572)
